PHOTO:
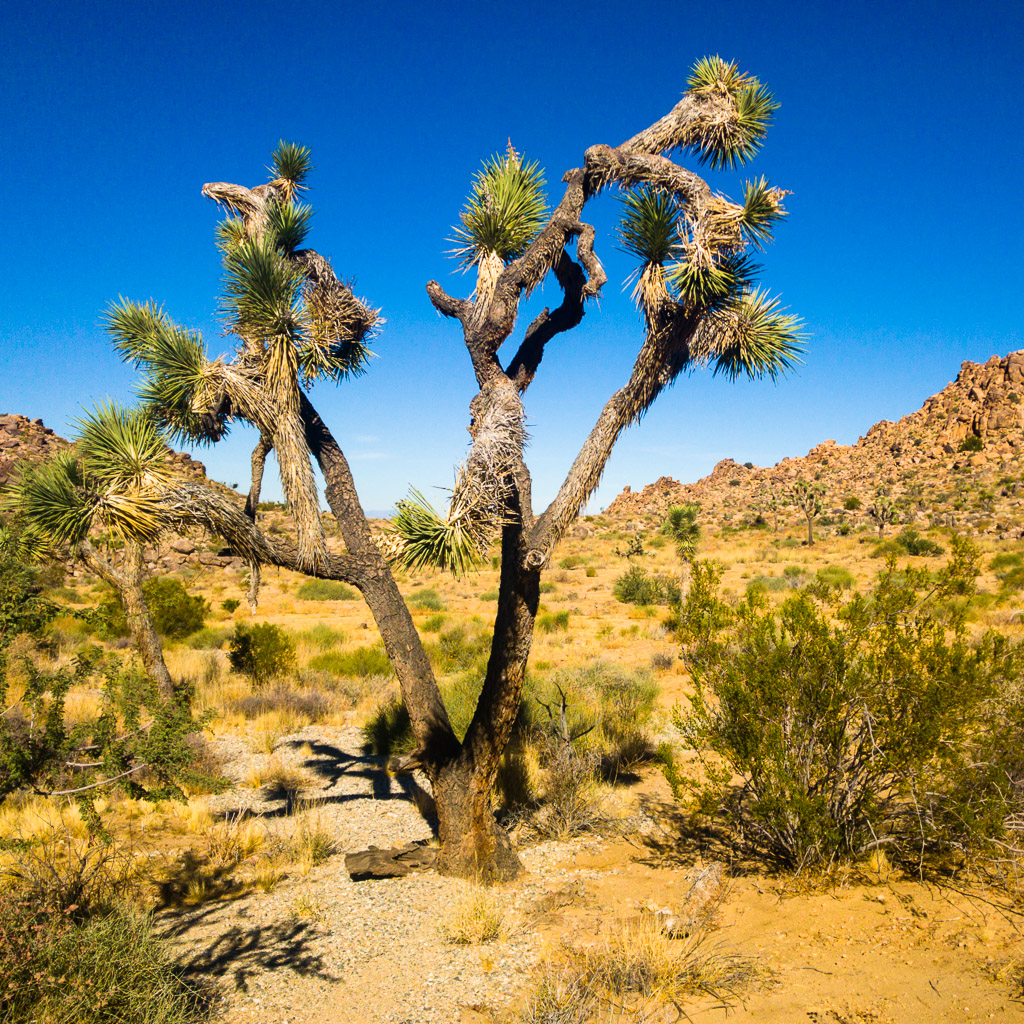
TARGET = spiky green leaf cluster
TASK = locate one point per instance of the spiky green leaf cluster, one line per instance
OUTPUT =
(650, 225)
(289, 224)
(761, 339)
(108, 478)
(432, 541)
(174, 361)
(711, 285)
(261, 290)
(727, 141)
(292, 163)
(762, 208)
(122, 448)
(505, 210)
(682, 528)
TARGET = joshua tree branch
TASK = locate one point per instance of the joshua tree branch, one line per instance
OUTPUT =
(436, 742)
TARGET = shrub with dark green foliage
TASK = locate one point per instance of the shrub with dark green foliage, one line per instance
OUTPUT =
(60, 969)
(914, 544)
(636, 586)
(971, 443)
(852, 503)
(23, 608)
(175, 612)
(230, 604)
(39, 750)
(325, 590)
(457, 651)
(261, 652)
(854, 723)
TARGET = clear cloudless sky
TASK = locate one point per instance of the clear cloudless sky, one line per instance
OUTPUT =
(899, 136)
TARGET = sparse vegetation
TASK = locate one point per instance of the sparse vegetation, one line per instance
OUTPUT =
(325, 590)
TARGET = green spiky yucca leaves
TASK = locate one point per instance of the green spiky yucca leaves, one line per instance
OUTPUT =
(728, 140)
(757, 337)
(504, 211)
(682, 528)
(291, 164)
(110, 478)
(177, 372)
(429, 540)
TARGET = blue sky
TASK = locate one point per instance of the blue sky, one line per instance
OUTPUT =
(899, 136)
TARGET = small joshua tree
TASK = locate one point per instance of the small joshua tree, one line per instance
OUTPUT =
(883, 512)
(809, 498)
(682, 527)
(296, 322)
(108, 484)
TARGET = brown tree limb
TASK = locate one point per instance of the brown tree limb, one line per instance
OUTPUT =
(435, 738)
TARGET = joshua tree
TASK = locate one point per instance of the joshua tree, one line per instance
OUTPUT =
(682, 527)
(296, 321)
(110, 483)
(883, 512)
(808, 497)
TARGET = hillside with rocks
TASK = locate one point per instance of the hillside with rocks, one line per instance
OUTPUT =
(920, 461)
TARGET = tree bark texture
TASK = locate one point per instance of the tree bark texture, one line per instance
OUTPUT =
(127, 581)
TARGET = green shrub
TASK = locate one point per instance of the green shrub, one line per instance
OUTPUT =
(428, 599)
(361, 662)
(209, 638)
(1006, 560)
(914, 544)
(635, 586)
(552, 622)
(591, 572)
(112, 968)
(456, 651)
(230, 604)
(326, 590)
(571, 561)
(261, 652)
(852, 723)
(971, 443)
(175, 613)
(322, 637)
(852, 503)
(433, 623)
(835, 576)
(489, 595)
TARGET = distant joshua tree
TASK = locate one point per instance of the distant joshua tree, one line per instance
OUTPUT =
(297, 323)
(682, 528)
(883, 512)
(808, 497)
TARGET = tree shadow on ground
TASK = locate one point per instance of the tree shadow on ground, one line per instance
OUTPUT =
(241, 950)
(329, 765)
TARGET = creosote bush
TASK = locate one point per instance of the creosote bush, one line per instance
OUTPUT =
(261, 652)
(636, 586)
(175, 612)
(854, 723)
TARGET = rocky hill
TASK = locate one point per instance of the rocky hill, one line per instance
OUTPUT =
(921, 461)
